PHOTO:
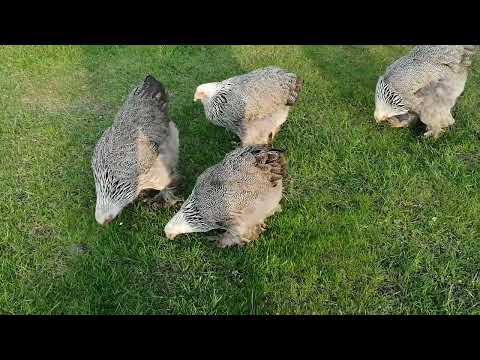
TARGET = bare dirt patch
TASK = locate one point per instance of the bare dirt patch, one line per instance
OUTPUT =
(42, 231)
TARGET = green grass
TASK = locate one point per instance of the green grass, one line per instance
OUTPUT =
(375, 220)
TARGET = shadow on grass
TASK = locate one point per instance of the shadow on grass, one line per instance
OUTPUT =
(351, 70)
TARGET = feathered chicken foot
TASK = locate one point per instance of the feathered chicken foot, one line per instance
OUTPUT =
(215, 235)
(434, 132)
(231, 239)
(167, 198)
(404, 121)
(435, 129)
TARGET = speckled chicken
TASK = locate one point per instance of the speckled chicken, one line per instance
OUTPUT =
(425, 85)
(138, 152)
(236, 195)
(252, 105)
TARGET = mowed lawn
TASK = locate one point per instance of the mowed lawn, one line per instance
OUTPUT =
(375, 220)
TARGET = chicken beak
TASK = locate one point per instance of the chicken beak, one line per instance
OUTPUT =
(105, 221)
(379, 118)
(171, 236)
(199, 95)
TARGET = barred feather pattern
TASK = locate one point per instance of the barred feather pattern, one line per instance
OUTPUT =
(224, 190)
(423, 65)
(386, 95)
(255, 95)
(130, 146)
(115, 182)
(225, 109)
